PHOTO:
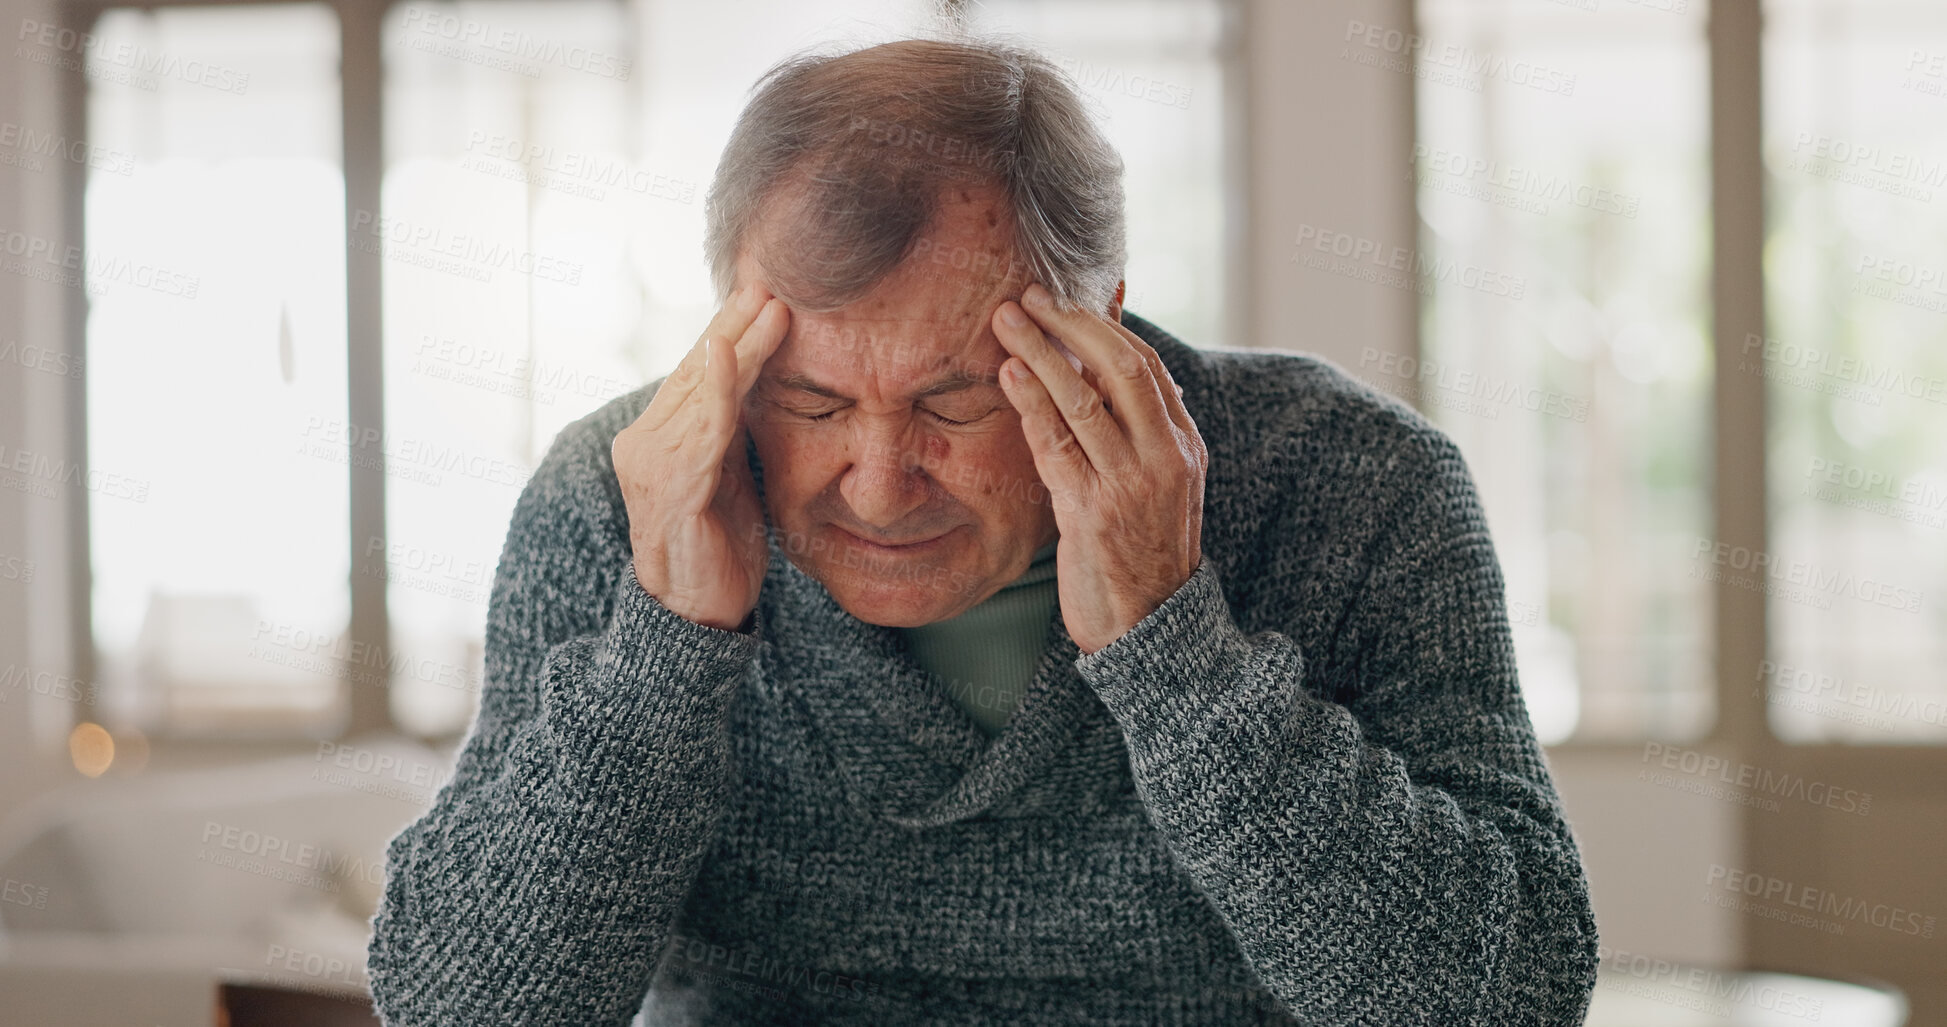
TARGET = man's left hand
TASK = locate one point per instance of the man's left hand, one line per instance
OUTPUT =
(1122, 461)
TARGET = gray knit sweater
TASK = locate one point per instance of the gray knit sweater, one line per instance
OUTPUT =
(1304, 790)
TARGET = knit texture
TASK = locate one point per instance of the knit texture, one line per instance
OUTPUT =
(1305, 789)
(988, 653)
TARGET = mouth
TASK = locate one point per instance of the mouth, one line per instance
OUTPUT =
(891, 549)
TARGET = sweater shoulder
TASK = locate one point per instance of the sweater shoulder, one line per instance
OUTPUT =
(1300, 420)
(578, 468)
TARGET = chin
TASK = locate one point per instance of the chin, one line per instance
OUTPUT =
(896, 592)
(889, 600)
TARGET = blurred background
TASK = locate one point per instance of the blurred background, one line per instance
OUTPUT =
(296, 295)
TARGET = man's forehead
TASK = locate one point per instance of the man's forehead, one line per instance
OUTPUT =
(959, 266)
(922, 362)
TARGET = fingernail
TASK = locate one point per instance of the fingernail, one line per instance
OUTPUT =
(1036, 295)
(1012, 315)
(748, 303)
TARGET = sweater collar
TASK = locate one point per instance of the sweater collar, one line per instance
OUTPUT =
(901, 748)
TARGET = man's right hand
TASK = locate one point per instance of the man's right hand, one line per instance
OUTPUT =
(696, 526)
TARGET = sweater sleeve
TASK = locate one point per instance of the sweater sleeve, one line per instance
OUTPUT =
(540, 886)
(1401, 857)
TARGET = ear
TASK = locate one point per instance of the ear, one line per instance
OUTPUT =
(1115, 305)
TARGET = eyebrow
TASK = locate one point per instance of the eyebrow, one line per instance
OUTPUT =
(953, 381)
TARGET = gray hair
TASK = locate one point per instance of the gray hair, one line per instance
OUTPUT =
(839, 161)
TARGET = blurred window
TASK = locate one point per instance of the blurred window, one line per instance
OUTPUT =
(540, 245)
(1855, 365)
(216, 365)
(1562, 169)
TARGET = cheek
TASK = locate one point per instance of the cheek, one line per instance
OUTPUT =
(936, 450)
(792, 460)
(993, 472)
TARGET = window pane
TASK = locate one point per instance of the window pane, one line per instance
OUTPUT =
(1562, 176)
(543, 236)
(215, 273)
(509, 304)
(1152, 71)
(1855, 358)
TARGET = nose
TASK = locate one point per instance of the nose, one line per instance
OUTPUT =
(885, 482)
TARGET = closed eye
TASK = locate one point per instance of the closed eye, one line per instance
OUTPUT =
(944, 420)
(949, 420)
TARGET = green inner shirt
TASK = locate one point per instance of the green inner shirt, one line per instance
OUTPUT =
(988, 654)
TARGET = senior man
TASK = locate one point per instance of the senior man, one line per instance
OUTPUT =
(941, 643)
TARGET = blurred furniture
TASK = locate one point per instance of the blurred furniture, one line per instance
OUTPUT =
(153, 890)
(262, 1005)
(1641, 991)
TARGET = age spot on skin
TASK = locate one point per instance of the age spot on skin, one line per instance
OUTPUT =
(936, 451)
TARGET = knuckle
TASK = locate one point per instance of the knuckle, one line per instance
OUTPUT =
(1086, 410)
(1130, 365)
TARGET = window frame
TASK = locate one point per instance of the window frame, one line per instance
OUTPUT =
(362, 116)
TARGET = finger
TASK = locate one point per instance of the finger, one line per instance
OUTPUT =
(730, 322)
(1101, 439)
(1058, 457)
(689, 452)
(759, 341)
(1129, 382)
(707, 440)
(1172, 392)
